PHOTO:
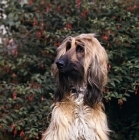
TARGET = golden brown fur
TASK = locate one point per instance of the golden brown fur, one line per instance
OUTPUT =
(80, 70)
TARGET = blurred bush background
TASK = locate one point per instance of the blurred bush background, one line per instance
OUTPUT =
(33, 31)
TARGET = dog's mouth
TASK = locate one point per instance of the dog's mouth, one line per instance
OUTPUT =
(73, 76)
(69, 69)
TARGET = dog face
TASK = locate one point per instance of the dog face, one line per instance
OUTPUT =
(81, 61)
(73, 55)
(71, 64)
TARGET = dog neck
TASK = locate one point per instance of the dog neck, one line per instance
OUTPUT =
(77, 88)
(77, 94)
(77, 91)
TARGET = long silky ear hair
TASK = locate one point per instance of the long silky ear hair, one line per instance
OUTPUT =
(96, 74)
(94, 84)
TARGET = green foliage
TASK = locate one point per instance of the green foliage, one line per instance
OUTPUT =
(37, 28)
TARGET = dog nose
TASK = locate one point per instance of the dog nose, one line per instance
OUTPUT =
(60, 63)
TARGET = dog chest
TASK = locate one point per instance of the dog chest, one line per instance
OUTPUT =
(83, 123)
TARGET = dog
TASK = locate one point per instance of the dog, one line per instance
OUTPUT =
(80, 70)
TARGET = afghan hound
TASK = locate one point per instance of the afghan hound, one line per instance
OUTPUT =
(80, 70)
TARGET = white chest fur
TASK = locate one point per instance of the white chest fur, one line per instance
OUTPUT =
(72, 120)
(83, 124)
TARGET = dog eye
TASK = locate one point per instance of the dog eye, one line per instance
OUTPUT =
(80, 49)
(68, 46)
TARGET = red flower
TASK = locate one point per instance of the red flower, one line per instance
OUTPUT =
(22, 133)
(78, 2)
(59, 8)
(14, 95)
(68, 26)
(12, 126)
(38, 34)
(105, 37)
(15, 132)
(118, 26)
(48, 8)
(84, 13)
(30, 2)
(42, 98)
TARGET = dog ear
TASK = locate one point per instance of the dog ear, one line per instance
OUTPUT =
(95, 79)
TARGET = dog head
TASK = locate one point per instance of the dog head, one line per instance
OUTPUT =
(81, 61)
